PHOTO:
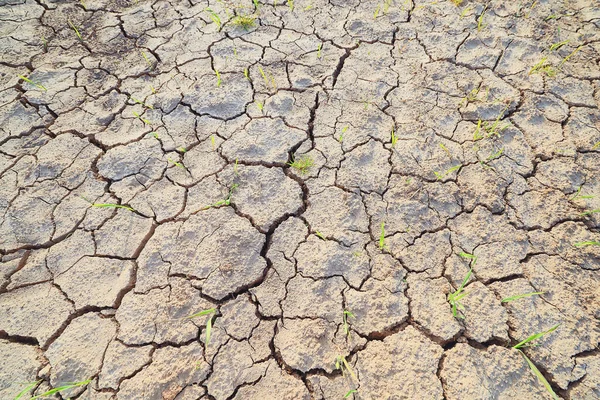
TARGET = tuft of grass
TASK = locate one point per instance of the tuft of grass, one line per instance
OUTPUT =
(212, 142)
(224, 202)
(247, 73)
(342, 364)
(302, 164)
(66, 386)
(455, 297)
(519, 296)
(480, 24)
(38, 85)
(587, 243)
(456, 2)
(211, 313)
(246, 22)
(540, 377)
(558, 45)
(465, 11)
(535, 336)
(394, 138)
(341, 137)
(442, 175)
(75, 29)
(141, 103)
(347, 314)
(596, 146)
(260, 105)
(214, 16)
(543, 66)
(290, 4)
(382, 245)
(256, 4)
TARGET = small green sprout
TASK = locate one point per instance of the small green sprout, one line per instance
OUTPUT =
(455, 297)
(66, 386)
(558, 45)
(75, 29)
(443, 147)
(148, 61)
(302, 164)
(569, 56)
(215, 17)
(211, 313)
(531, 8)
(138, 116)
(262, 72)
(578, 196)
(218, 75)
(394, 138)
(456, 2)
(550, 17)
(235, 167)
(341, 137)
(30, 386)
(319, 48)
(341, 364)
(38, 85)
(212, 142)
(540, 377)
(480, 24)
(320, 235)
(141, 103)
(259, 105)
(290, 4)
(543, 66)
(350, 392)
(256, 4)
(247, 73)
(493, 156)
(465, 11)
(224, 202)
(590, 212)
(154, 134)
(442, 175)
(596, 146)
(519, 296)
(107, 205)
(175, 163)
(376, 13)
(347, 314)
(246, 22)
(535, 336)
(468, 256)
(587, 243)
(382, 245)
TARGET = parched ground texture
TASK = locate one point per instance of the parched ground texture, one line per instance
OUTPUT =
(433, 131)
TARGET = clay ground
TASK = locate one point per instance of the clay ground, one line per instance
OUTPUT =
(145, 151)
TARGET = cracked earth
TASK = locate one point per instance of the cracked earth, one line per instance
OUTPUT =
(146, 174)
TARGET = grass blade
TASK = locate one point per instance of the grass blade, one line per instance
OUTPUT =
(540, 377)
(61, 388)
(588, 243)
(27, 389)
(203, 312)
(519, 296)
(535, 336)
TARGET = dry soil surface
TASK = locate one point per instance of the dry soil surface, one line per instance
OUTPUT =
(145, 176)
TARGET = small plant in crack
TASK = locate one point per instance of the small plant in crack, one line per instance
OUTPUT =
(256, 4)
(176, 163)
(320, 235)
(38, 85)
(290, 4)
(218, 75)
(590, 212)
(347, 314)
(443, 147)
(147, 59)
(564, 60)
(350, 392)
(260, 105)
(455, 297)
(246, 22)
(579, 196)
(343, 365)
(493, 129)
(456, 2)
(302, 164)
(226, 201)
(212, 142)
(75, 29)
(596, 146)
(587, 243)
(543, 66)
(480, 24)
(107, 205)
(51, 392)
(319, 50)
(558, 45)
(492, 157)
(141, 103)
(382, 245)
(341, 137)
(531, 365)
(210, 313)
(519, 296)
(215, 17)
(144, 120)
(441, 175)
(393, 138)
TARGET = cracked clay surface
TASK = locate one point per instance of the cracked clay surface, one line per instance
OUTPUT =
(317, 176)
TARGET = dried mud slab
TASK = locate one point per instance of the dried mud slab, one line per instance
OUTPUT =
(280, 199)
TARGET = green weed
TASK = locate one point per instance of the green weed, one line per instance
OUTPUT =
(465, 11)
(578, 196)
(302, 164)
(260, 105)
(342, 364)
(341, 137)
(493, 156)
(224, 202)
(540, 377)
(140, 102)
(38, 85)
(215, 17)
(247, 73)
(519, 296)
(290, 4)
(456, 2)
(394, 138)
(376, 13)
(256, 4)
(138, 116)
(587, 243)
(320, 235)
(590, 212)
(66, 386)
(218, 75)
(596, 146)
(246, 22)
(455, 297)
(211, 313)
(212, 142)
(27, 389)
(347, 314)
(175, 163)
(319, 48)
(382, 245)
(550, 17)
(442, 175)
(106, 205)
(558, 45)
(148, 61)
(75, 29)
(569, 56)
(350, 392)
(471, 257)
(543, 66)
(480, 24)
(535, 336)
(531, 8)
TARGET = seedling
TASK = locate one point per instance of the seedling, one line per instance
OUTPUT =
(531, 8)
(255, 4)
(342, 364)
(45, 43)
(38, 85)
(246, 22)
(75, 29)
(558, 45)
(549, 17)
(224, 202)
(347, 314)
(319, 48)
(578, 196)
(215, 17)
(263, 75)
(450, 170)
(351, 391)
(259, 105)
(147, 59)
(308, 7)
(290, 4)
(235, 167)
(455, 297)
(302, 164)
(247, 73)
(320, 235)
(141, 103)
(456, 2)
(138, 116)
(175, 163)
(443, 147)
(212, 142)
(493, 156)
(596, 146)
(66, 386)
(465, 11)
(569, 56)
(587, 243)
(107, 205)
(341, 138)
(480, 24)
(590, 212)
(519, 296)
(218, 74)
(382, 245)
(535, 336)
(394, 138)
(27, 389)
(543, 66)
(181, 149)
(540, 377)
(386, 5)
(210, 312)
(154, 134)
